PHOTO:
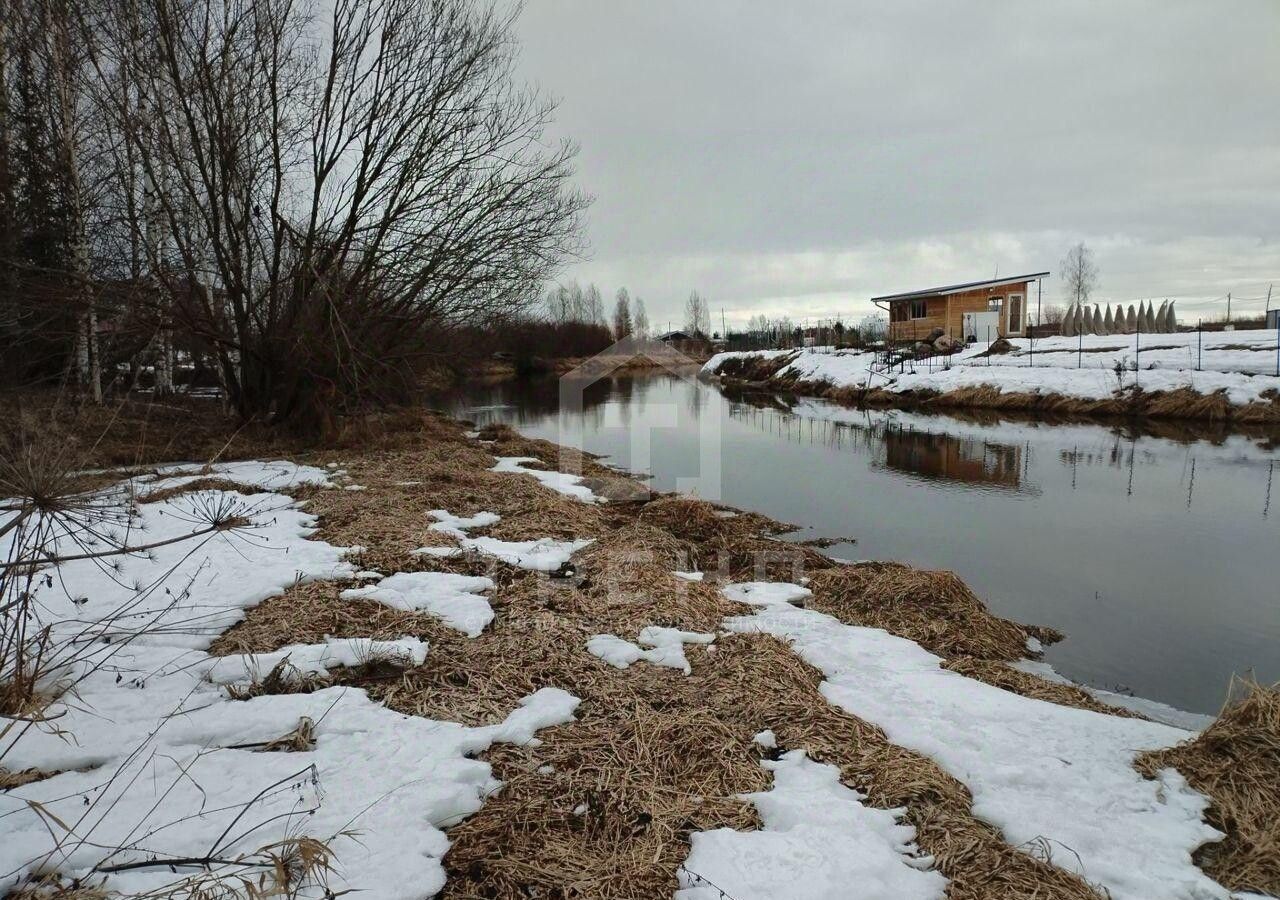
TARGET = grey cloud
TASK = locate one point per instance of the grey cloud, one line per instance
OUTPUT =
(780, 151)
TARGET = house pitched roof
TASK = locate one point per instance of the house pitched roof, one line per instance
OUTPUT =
(960, 288)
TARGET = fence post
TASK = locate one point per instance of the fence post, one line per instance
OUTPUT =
(1080, 352)
(1199, 343)
(1278, 349)
(988, 345)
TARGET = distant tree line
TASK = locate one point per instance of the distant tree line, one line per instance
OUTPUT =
(297, 200)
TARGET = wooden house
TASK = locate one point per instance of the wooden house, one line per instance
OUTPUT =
(967, 311)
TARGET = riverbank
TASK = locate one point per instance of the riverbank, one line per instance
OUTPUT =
(670, 657)
(1218, 377)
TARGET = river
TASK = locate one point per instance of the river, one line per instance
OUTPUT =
(1157, 554)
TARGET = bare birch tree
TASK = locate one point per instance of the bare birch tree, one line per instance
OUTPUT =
(1079, 273)
(640, 319)
(697, 317)
(622, 315)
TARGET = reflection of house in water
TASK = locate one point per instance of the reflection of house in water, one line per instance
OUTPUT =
(949, 458)
(965, 460)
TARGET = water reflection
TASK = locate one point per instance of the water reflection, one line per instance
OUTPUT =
(1153, 549)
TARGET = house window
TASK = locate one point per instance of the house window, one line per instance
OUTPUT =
(919, 309)
(994, 304)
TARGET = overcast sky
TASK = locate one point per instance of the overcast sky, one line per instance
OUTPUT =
(799, 158)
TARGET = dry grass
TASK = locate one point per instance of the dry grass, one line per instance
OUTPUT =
(1235, 762)
(733, 545)
(308, 612)
(53, 887)
(207, 483)
(935, 609)
(10, 780)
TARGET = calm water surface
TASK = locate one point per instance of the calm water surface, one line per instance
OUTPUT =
(1159, 557)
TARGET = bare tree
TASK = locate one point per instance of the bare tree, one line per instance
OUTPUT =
(594, 306)
(338, 185)
(640, 319)
(622, 315)
(1079, 273)
(697, 317)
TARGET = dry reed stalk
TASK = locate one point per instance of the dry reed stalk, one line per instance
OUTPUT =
(1235, 762)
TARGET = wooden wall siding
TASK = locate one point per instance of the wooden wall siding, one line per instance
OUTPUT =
(948, 312)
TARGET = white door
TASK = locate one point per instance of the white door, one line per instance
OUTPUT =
(1013, 314)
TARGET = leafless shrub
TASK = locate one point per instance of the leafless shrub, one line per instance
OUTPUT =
(51, 517)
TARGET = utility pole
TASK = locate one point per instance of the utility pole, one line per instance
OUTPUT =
(724, 332)
(1228, 307)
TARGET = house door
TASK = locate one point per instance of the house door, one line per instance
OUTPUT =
(1013, 314)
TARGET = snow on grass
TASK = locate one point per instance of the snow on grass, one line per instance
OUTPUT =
(454, 599)
(405, 652)
(457, 526)
(144, 746)
(1240, 363)
(765, 593)
(1037, 770)
(689, 576)
(277, 475)
(441, 552)
(561, 482)
(819, 842)
(541, 555)
(396, 780)
(662, 647)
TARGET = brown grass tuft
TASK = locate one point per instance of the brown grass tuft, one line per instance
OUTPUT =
(10, 780)
(208, 483)
(1235, 762)
(935, 609)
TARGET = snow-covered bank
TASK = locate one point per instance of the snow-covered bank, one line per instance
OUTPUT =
(1239, 366)
(151, 760)
(1048, 776)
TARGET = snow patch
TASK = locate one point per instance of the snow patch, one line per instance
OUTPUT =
(561, 482)
(541, 555)
(457, 526)
(819, 842)
(276, 475)
(663, 647)
(766, 593)
(154, 713)
(317, 659)
(454, 599)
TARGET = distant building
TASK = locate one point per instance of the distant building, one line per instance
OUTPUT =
(1273, 318)
(690, 344)
(968, 311)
